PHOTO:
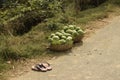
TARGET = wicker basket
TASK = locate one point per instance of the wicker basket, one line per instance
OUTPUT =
(62, 47)
(78, 38)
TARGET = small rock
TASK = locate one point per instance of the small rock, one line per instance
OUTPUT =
(53, 58)
(100, 53)
(1, 74)
(9, 62)
(89, 54)
(75, 55)
(12, 75)
(52, 75)
(87, 62)
(95, 50)
(13, 67)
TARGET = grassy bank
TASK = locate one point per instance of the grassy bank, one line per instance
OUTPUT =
(34, 42)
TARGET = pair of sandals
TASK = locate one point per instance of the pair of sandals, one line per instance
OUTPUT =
(43, 67)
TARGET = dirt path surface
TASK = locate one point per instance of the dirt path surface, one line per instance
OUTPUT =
(97, 59)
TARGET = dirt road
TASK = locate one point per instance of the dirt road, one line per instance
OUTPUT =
(97, 59)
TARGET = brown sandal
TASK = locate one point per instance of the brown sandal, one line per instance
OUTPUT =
(47, 66)
(39, 67)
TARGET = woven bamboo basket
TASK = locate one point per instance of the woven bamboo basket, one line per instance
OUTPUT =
(62, 47)
(78, 38)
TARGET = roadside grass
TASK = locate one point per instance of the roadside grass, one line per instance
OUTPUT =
(34, 43)
(100, 12)
(3, 68)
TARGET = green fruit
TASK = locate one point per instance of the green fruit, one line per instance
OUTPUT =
(52, 35)
(55, 42)
(59, 34)
(77, 28)
(63, 37)
(50, 39)
(65, 28)
(56, 38)
(72, 27)
(69, 38)
(74, 31)
(76, 34)
(62, 31)
(69, 31)
(80, 31)
(67, 34)
(62, 41)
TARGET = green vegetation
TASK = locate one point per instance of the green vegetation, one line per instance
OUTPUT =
(26, 24)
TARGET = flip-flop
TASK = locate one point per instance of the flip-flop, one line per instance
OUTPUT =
(47, 66)
(39, 67)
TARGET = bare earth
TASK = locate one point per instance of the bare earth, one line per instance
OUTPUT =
(97, 59)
